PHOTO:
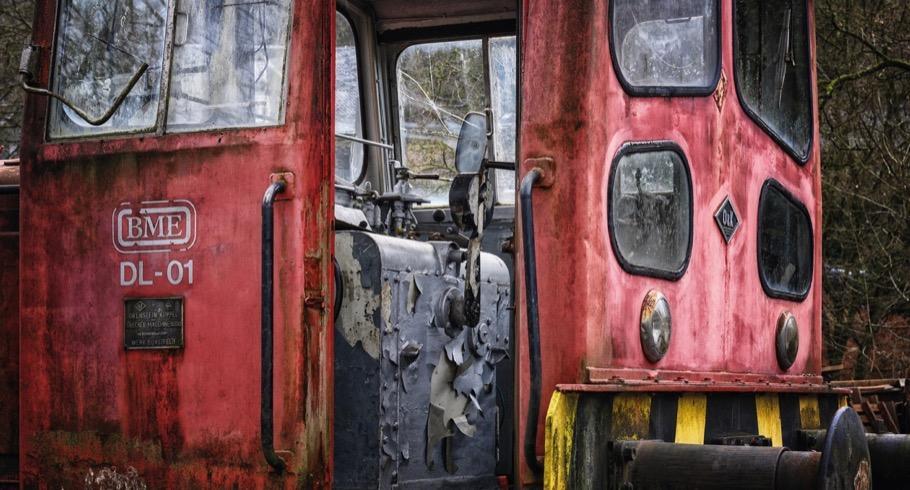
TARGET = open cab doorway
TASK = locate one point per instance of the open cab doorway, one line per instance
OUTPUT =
(425, 128)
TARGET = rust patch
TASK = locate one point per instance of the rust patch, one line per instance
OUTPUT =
(720, 94)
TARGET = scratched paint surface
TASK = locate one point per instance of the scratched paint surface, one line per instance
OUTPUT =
(575, 111)
(184, 418)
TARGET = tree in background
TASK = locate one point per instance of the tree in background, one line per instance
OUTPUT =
(15, 32)
(864, 94)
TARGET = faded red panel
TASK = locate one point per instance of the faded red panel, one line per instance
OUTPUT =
(184, 418)
(575, 111)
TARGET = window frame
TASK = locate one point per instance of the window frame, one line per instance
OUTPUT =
(668, 91)
(630, 148)
(160, 127)
(801, 160)
(772, 183)
(394, 44)
(360, 89)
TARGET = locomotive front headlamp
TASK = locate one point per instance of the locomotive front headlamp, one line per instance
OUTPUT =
(655, 325)
(786, 340)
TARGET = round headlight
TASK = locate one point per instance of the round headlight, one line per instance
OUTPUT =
(655, 326)
(787, 340)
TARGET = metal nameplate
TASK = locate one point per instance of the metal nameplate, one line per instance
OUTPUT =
(153, 323)
(727, 219)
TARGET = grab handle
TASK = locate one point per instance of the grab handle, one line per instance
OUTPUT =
(266, 413)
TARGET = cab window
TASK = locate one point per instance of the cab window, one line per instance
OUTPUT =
(771, 65)
(438, 84)
(99, 47)
(349, 155)
(664, 47)
(784, 243)
(226, 66)
(650, 209)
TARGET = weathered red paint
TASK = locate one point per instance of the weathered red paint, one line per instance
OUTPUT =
(575, 111)
(186, 418)
(9, 325)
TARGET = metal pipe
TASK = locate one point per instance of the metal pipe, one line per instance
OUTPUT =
(655, 464)
(530, 269)
(266, 415)
(500, 165)
(890, 458)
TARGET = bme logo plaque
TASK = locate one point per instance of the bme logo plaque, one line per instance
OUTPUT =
(154, 226)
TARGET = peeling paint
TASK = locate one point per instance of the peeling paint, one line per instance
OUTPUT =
(358, 305)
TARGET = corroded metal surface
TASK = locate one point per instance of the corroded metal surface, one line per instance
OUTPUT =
(189, 417)
(423, 411)
(575, 111)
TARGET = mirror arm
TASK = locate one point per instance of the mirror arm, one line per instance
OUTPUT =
(364, 141)
(499, 165)
(25, 76)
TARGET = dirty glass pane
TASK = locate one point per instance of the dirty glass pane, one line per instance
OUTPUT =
(503, 102)
(229, 63)
(100, 45)
(650, 211)
(666, 43)
(785, 244)
(438, 84)
(348, 155)
(771, 59)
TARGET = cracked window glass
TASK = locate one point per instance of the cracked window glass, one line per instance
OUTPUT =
(771, 62)
(100, 45)
(438, 84)
(666, 43)
(348, 121)
(650, 211)
(228, 64)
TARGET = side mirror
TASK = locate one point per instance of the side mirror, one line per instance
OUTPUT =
(472, 143)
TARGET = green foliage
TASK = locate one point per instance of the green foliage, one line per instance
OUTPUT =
(15, 32)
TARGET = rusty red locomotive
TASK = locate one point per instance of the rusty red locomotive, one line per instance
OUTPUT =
(382, 243)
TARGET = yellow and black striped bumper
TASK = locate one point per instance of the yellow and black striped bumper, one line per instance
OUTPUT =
(581, 425)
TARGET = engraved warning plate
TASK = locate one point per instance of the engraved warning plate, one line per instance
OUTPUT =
(153, 323)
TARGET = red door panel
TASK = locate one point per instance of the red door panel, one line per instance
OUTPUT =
(92, 239)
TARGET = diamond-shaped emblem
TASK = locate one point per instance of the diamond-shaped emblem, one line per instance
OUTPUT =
(727, 219)
(140, 306)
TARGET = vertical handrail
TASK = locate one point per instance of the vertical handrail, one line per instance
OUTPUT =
(266, 414)
(530, 269)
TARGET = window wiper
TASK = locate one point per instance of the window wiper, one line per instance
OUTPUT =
(783, 51)
(26, 77)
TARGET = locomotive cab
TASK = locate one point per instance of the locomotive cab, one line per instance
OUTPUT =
(424, 244)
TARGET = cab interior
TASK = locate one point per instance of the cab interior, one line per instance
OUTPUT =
(407, 74)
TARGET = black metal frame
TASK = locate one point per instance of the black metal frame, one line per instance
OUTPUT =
(360, 88)
(801, 160)
(669, 91)
(771, 292)
(650, 147)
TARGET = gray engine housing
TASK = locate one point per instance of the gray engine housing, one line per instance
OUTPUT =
(415, 396)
